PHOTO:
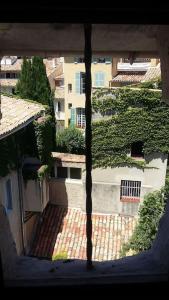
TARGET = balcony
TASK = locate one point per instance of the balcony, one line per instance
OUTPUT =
(137, 66)
(59, 92)
(60, 115)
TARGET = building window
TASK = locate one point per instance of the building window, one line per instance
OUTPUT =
(68, 173)
(80, 82)
(62, 172)
(78, 117)
(81, 122)
(69, 88)
(8, 190)
(137, 149)
(75, 173)
(69, 105)
(101, 60)
(130, 191)
(99, 79)
(79, 60)
(8, 75)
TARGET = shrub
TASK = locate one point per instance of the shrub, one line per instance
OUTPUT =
(70, 140)
(150, 213)
(60, 256)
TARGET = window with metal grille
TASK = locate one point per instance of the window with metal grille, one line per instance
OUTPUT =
(80, 113)
(130, 191)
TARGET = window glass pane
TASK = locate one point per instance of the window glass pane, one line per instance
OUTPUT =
(9, 194)
(75, 173)
(61, 172)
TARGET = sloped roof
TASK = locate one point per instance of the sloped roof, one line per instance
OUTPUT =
(152, 73)
(17, 113)
(67, 157)
(125, 76)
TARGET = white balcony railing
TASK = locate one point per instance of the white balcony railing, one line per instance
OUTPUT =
(142, 66)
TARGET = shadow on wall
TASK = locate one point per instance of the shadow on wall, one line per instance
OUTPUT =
(7, 244)
(50, 225)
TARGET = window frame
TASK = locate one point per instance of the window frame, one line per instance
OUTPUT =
(130, 190)
(68, 178)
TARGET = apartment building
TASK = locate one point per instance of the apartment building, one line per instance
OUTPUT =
(70, 87)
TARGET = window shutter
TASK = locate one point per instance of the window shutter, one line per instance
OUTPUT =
(77, 82)
(102, 79)
(73, 117)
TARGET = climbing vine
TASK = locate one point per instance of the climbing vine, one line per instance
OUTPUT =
(128, 116)
(35, 140)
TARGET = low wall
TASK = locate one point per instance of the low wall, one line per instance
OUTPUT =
(29, 230)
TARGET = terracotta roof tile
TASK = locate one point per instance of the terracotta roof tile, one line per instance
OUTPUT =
(16, 113)
(128, 77)
(64, 230)
(152, 73)
(67, 157)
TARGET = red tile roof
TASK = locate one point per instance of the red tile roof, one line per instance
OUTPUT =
(64, 230)
(67, 157)
(124, 76)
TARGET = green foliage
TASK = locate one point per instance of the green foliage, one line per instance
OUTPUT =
(33, 82)
(44, 138)
(150, 213)
(60, 256)
(25, 82)
(35, 140)
(43, 171)
(152, 84)
(15, 147)
(70, 140)
(137, 115)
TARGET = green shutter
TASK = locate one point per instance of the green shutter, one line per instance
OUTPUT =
(77, 83)
(73, 117)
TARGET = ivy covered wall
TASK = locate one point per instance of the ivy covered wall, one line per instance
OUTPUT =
(134, 116)
(34, 140)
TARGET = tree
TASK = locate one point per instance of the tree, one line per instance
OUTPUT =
(33, 84)
(24, 84)
(70, 140)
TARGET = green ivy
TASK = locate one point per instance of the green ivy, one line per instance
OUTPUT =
(150, 213)
(35, 140)
(136, 115)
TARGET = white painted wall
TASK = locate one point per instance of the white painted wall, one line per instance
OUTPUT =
(13, 215)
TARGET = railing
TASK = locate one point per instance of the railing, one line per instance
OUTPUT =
(142, 66)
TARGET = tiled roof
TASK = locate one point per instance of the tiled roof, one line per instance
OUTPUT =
(49, 66)
(128, 77)
(16, 113)
(16, 66)
(67, 157)
(152, 73)
(64, 230)
(8, 82)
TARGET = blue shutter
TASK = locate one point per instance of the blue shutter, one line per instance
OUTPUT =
(73, 117)
(77, 83)
(99, 79)
(102, 79)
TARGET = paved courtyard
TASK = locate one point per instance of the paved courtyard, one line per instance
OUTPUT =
(63, 230)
